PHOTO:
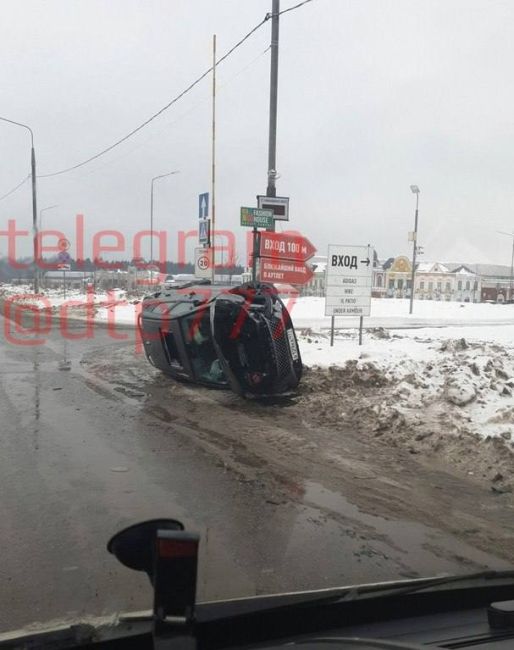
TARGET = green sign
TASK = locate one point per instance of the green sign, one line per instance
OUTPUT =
(257, 218)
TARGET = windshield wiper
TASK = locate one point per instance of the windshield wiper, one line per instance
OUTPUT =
(426, 583)
(385, 589)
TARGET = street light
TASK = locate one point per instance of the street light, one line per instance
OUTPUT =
(510, 234)
(34, 199)
(151, 214)
(415, 190)
(50, 207)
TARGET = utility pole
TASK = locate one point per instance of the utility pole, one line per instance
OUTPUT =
(271, 189)
(414, 190)
(273, 103)
(213, 188)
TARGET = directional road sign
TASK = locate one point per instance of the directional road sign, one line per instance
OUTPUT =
(286, 247)
(349, 280)
(279, 205)
(203, 205)
(203, 262)
(257, 218)
(204, 230)
(284, 271)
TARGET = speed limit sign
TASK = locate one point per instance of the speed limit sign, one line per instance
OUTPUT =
(203, 263)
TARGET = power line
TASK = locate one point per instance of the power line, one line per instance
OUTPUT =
(300, 4)
(168, 125)
(15, 188)
(164, 108)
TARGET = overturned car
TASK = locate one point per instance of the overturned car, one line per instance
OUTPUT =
(240, 338)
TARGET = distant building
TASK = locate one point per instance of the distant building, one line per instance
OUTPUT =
(490, 282)
(65, 278)
(379, 277)
(438, 281)
(398, 277)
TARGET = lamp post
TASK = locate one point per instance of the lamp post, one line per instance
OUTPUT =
(50, 207)
(415, 190)
(155, 178)
(511, 283)
(34, 200)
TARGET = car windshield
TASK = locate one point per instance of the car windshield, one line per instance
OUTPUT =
(256, 275)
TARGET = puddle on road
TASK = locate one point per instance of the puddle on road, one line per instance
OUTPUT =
(423, 549)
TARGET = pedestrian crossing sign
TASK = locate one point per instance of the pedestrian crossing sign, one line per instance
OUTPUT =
(203, 231)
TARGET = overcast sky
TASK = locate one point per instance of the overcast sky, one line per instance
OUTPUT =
(373, 96)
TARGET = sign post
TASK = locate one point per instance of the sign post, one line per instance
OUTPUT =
(203, 262)
(348, 283)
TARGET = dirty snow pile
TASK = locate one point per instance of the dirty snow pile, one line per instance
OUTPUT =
(427, 394)
(468, 383)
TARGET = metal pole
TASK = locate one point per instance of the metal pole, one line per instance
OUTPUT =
(511, 268)
(151, 233)
(332, 324)
(151, 216)
(414, 250)
(273, 103)
(255, 254)
(34, 200)
(151, 222)
(34, 217)
(213, 260)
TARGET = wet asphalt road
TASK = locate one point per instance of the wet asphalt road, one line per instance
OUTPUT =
(78, 462)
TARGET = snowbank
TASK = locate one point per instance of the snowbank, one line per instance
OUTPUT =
(469, 385)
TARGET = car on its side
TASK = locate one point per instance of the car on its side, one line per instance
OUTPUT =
(225, 337)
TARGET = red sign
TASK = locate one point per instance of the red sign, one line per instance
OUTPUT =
(286, 247)
(284, 271)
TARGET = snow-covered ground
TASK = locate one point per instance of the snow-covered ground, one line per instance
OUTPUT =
(308, 312)
(394, 313)
(54, 298)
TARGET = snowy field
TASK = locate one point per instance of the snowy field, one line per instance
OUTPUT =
(394, 313)
(307, 313)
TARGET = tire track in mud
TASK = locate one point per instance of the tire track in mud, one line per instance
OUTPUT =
(277, 448)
